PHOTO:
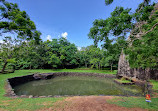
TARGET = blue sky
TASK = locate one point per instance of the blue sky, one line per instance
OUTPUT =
(72, 18)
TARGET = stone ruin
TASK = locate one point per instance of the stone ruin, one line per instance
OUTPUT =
(124, 70)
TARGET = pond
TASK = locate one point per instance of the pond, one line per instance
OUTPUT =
(76, 85)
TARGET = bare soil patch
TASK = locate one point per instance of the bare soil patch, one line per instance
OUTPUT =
(88, 103)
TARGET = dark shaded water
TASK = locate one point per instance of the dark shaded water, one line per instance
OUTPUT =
(80, 85)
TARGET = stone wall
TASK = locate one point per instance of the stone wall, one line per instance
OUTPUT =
(12, 82)
(124, 70)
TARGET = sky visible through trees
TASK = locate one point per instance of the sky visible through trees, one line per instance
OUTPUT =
(24, 46)
(55, 17)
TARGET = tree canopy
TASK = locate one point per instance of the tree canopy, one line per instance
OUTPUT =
(142, 26)
(135, 33)
(13, 20)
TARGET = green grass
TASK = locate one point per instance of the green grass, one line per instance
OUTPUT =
(31, 104)
(123, 81)
(155, 84)
(73, 70)
(137, 102)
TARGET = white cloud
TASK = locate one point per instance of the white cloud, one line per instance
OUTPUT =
(65, 34)
(79, 48)
(49, 37)
(1, 41)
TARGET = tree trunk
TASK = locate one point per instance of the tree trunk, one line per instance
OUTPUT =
(13, 69)
(99, 66)
(85, 64)
(111, 67)
(147, 71)
(5, 64)
(30, 66)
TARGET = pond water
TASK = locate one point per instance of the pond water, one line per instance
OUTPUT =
(77, 85)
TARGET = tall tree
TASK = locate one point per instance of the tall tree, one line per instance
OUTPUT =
(7, 52)
(143, 47)
(17, 22)
(141, 24)
(119, 24)
(13, 20)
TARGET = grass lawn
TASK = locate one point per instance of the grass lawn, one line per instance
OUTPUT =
(31, 104)
(155, 84)
(123, 81)
(138, 102)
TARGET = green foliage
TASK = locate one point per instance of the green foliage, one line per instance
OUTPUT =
(155, 85)
(143, 12)
(16, 21)
(142, 53)
(54, 60)
(7, 52)
(58, 53)
(117, 25)
(123, 81)
(30, 55)
(107, 2)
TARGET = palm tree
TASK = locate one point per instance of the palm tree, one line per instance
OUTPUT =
(108, 2)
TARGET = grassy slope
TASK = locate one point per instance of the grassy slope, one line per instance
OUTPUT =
(135, 102)
(138, 101)
(13, 104)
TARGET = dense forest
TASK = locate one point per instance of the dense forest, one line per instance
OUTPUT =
(57, 53)
(25, 50)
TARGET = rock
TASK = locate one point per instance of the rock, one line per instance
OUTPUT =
(42, 96)
(23, 96)
(124, 70)
(50, 96)
(31, 96)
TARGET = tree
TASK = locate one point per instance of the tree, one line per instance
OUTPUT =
(96, 56)
(54, 61)
(31, 55)
(67, 53)
(113, 51)
(14, 21)
(119, 24)
(143, 50)
(83, 57)
(7, 52)
(142, 26)
(108, 2)
(61, 53)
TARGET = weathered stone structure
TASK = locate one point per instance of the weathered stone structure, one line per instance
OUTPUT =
(15, 81)
(124, 70)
